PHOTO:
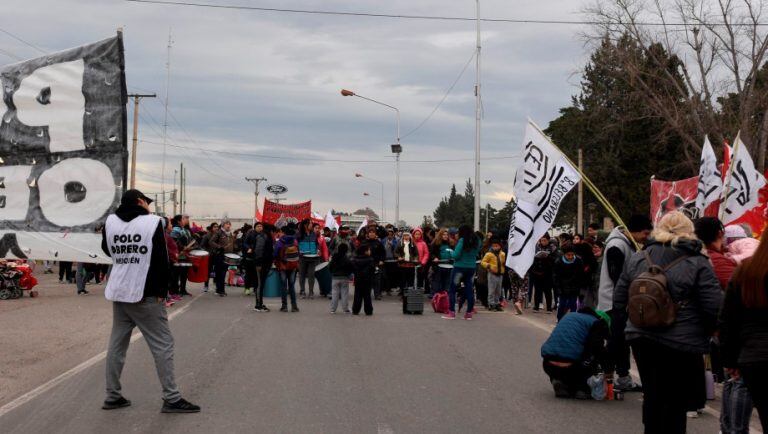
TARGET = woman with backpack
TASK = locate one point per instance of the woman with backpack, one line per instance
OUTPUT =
(309, 256)
(744, 327)
(287, 260)
(464, 265)
(669, 342)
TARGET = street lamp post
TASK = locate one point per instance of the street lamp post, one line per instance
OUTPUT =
(397, 149)
(478, 116)
(360, 175)
(487, 208)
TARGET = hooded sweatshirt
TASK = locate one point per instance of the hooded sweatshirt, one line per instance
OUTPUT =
(158, 274)
(421, 246)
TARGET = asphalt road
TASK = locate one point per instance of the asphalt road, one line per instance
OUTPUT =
(313, 372)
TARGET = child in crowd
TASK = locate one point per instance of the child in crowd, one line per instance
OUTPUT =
(341, 270)
(493, 262)
(364, 268)
(568, 275)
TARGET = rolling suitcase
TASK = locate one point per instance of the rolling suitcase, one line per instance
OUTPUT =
(413, 297)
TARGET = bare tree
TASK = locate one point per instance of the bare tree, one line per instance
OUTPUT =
(720, 47)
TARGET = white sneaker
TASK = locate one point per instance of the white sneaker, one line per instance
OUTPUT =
(692, 414)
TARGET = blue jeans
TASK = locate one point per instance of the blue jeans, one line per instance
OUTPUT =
(462, 275)
(288, 287)
(566, 304)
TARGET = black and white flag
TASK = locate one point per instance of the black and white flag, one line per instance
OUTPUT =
(743, 184)
(541, 183)
(62, 152)
(710, 186)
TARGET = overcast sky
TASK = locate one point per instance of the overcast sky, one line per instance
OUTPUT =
(267, 83)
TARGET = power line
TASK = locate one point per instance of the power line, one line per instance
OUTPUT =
(18, 38)
(431, 17)
(450, 89)
(324, 160)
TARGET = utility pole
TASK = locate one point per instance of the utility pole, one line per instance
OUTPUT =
(182, 193)
(136, 98)
(487, 208)
(580, 206)
(165, 118)
(478, 115)
(255, 182)
(173, 193)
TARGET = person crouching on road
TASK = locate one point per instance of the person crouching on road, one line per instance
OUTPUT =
(341, 270)
(364, 268)
(493, 261)
(137, 287)
(575, 351)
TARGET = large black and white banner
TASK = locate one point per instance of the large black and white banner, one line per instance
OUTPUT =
(62, 152)
(541, 183)
(710, 186)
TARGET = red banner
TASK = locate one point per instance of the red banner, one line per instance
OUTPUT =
(279, 214)
(669, 196)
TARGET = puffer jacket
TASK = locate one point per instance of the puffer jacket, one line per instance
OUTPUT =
(691, 282)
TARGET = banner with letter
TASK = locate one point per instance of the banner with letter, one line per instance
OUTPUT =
(279, 214)
(742, 184)
(669, 196)
(63, 153)
(541, 183)
(710, 185)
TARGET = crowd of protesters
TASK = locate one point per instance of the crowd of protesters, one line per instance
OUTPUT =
(717, 277)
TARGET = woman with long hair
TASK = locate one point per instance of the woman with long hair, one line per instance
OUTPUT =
(440, 252)
(671, 359)
(744, 327)
(464, 264)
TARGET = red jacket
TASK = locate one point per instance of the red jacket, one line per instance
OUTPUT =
(422, 248)
(723, 266)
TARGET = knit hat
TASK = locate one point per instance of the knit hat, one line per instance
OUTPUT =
(734, 232)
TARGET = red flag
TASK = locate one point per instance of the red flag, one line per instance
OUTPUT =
(669, 196)
(279, 214)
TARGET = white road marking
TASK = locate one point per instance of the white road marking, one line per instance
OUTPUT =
(707, 409)
(34, 393)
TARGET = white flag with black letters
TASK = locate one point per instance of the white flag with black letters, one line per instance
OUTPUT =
(541, 183)
(710, 180)
(743, 184)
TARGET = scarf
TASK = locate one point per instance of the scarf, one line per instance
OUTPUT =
(407, 251)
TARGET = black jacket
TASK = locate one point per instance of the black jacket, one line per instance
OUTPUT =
(691, 282)
(364, 268)
(158, 275)
(341, 266)
(743, 332)
(569, 278)
(377, 250)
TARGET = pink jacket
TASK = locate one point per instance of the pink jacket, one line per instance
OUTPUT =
(742, 249)
(422, 248)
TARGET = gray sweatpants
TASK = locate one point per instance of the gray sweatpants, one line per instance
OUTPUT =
(340, 290)
(495, 291)
(151, 318)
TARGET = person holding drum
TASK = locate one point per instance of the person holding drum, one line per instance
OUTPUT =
(309, 256)
(185, 243)
(221, 243)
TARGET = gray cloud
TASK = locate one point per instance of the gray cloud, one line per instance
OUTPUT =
(269, 83)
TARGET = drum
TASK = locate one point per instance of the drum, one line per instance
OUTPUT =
(324, 278)
(273, 283)
(183, 264)
(198, 272)
(310, 256)
(445, 265)
(232, 259)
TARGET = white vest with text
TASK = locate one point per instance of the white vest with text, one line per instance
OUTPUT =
(130, 244)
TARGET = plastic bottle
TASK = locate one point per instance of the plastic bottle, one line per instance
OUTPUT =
(609, 389)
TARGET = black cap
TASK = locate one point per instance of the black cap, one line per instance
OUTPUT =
(131, 197)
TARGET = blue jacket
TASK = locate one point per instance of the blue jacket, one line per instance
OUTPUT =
(465, 258)
(568, 339)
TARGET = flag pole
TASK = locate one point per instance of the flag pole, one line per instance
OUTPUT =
(592, 187)
(727, 184)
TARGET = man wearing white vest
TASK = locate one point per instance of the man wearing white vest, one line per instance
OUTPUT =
(618, 249)
(138, 286)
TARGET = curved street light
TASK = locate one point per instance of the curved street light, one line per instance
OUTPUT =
(396, 149)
